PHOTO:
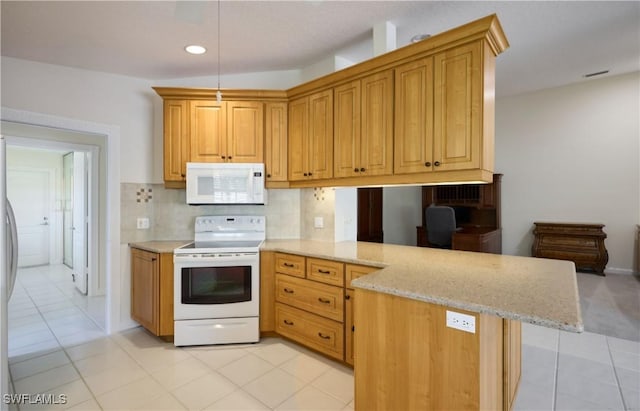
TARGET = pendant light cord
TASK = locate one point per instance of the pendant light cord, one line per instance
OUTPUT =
(218, 49)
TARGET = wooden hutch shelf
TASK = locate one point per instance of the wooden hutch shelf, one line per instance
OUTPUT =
(478, 212)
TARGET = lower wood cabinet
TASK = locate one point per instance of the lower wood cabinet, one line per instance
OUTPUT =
(314, 331)
(152, 291)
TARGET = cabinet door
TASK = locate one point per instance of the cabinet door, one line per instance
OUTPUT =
(175, 133)
(298, 139)
(320, 151)
(458, 108)
(346, 155)
(276, 142)
(208, 131)
(413, 143)
(144, 288)
(376, 147)
(245, 132)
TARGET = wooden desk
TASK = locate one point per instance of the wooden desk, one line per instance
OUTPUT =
(581, 243)
(479, 239)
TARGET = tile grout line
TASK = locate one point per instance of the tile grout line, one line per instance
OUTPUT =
(615, 373)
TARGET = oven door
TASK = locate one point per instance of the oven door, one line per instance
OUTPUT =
(221, 285)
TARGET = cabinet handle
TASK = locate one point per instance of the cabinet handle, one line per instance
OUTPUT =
(325, 337)
(223, 157)
(153, 259)
(288, 322)
(288, 265)
(347, 297)
(362, 169)
(437, 163)
(268, 175)
(324, 300)
(427, 164)
(305, 174)
(310, 173)
(288, 291)
(182, 175)
(230, 157)
(324, 272)
(356, 169)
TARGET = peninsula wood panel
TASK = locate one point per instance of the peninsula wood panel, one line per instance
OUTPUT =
(245, 132)
(407, 359)
(413, 143)
(352, 272)
(276, 142)
(512, 361)
(208, 131)
(175, 140)
(458, 108)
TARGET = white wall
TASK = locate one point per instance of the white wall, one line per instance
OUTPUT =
(571, 154)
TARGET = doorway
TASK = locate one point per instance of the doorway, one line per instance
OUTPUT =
(370, 215)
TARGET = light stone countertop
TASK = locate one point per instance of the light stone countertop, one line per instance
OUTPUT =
(533, 290)
(159, 246)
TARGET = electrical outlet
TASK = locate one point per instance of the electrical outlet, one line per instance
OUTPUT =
(461, 321)
(318, 222)
(142, 223)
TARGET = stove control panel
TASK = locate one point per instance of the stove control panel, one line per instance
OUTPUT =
(230, 224)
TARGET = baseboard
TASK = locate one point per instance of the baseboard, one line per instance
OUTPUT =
(623, 271)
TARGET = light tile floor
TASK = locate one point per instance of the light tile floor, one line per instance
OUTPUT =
(55, 348)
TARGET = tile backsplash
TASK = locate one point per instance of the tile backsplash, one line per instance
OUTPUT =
(289, 213)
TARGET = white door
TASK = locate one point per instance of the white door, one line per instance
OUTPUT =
(80, 226)
(28, 191)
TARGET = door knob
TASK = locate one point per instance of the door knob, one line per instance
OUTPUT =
(427, 164)
(437, 163)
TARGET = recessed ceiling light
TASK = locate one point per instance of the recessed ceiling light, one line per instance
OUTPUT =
(195, 49)
(419, 37)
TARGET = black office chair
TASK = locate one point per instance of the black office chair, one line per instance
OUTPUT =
(441, 224)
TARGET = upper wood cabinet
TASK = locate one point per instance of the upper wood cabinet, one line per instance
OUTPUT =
(245, 132)
(363, 127)
(413, 144)
(176, 141)
(311, 137)
(275, 151)
(230, 131)
(458, 108)
(439, 112)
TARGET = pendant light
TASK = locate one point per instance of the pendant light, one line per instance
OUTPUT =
(219, 93)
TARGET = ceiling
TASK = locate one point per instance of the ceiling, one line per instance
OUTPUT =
(552, 43)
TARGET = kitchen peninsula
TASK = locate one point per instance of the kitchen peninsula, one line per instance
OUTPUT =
(406, 357)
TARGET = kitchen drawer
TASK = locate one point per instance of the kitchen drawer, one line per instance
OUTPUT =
(290, 264)
(353, 271)
(325, 271)
(321, 299)
(319, 333)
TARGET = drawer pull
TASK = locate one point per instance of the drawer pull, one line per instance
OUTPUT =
(288, 322)
(288, 265)
(324, 337)
(324, 272)
(347, 297)
(324, 300)
(288, 291)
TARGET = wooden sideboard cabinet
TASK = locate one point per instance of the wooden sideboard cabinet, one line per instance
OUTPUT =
(581, 243)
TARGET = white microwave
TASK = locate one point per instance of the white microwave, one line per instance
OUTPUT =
(225, 183)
